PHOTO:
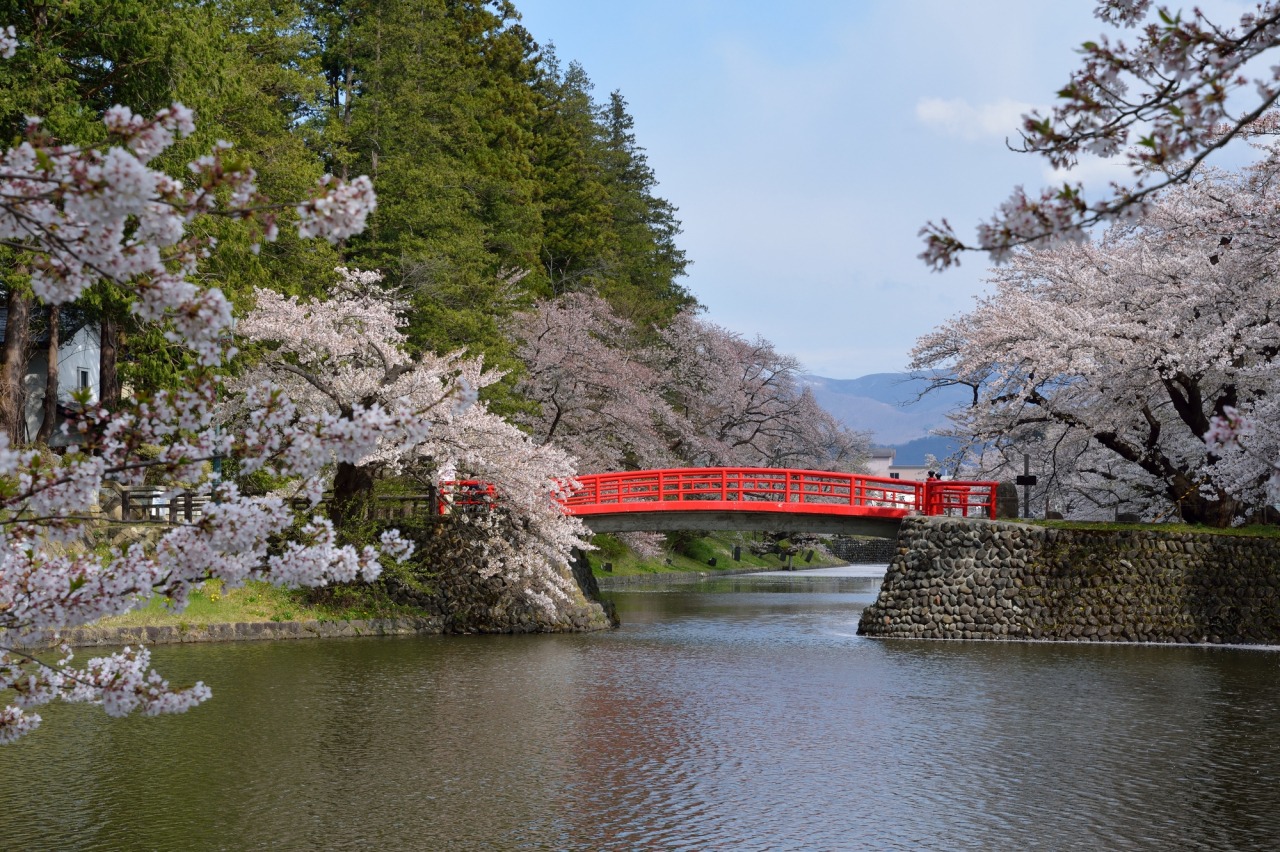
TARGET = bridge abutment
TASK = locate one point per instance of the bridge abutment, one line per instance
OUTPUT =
(956, 579)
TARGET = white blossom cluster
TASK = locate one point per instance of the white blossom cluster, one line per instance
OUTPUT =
(699, 395)
(1140, 370)
(122, 683)
(341, 362)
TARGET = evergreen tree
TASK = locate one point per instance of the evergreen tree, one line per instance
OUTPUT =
(604, 229)
(78, 59)
(243, 65)
(577, 251)
(648, 291)
(433, 100)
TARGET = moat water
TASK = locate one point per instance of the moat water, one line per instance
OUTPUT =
(731, 714)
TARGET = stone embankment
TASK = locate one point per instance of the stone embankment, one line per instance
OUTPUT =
(863, 551)
(241, 632)
(459, 601)
(957, 579)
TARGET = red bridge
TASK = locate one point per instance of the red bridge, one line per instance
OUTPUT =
(755, 498)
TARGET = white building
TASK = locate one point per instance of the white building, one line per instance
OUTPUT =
(882, 463)
(78, 352)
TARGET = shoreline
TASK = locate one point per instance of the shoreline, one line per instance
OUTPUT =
(872, 570)
(239, 631)
(265, 631)
(676, 577)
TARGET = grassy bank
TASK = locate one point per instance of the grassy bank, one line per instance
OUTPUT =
(260, 602)
(713, 552)
(1250, 531)
(256, 602)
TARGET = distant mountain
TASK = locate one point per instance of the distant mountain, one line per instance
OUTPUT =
(891, 407)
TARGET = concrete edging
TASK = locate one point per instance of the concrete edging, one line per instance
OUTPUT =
(244, 631)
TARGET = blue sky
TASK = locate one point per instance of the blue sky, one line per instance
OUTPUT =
(806, 143)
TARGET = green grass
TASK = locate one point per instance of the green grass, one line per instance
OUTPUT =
(1249, 531)
(697, 557)
(209, 604)
(258, 601)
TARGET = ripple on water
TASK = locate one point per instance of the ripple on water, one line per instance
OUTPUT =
(733, 720)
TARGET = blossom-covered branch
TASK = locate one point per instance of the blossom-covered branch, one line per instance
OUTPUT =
(338, 357)
(1146, 358)
(79, 215)
(1162, 101)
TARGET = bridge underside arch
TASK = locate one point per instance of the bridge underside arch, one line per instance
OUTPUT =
(670, 521)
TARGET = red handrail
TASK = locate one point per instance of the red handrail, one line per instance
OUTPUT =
(760, 489)
(751, 489)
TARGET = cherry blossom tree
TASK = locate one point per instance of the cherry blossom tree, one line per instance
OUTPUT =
(74, 216)
(1183, 88)
(1145, 362)
(598, 393)
(741, 402)
(344, 357)
(701, 395)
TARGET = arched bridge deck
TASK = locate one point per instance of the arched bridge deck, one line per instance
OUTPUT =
(744, 498)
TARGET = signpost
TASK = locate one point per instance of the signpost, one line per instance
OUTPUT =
(1026, 481)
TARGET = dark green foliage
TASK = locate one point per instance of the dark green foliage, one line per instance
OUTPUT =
(500, 179)
(604, 229)
(608, 546)
(689, 543)
(240, 64)
(432, 99)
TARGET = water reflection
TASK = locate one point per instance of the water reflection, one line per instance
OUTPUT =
(737, 714)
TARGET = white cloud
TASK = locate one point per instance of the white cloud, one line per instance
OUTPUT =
(1096, 173)
(957, 117)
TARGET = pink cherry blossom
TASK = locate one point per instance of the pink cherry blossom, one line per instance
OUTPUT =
(83, 215)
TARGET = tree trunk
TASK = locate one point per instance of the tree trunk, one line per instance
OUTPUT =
(108, 378)
(50, 420)
(17, 333)
(352, 487)
(1217, 511)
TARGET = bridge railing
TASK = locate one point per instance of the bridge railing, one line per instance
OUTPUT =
(466, 494)
(715, 488)
(960, 499)
(605, 492)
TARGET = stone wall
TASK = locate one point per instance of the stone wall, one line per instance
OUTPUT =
(469, 602)
(957, 579)
(468, 599)
(863, 551)
(238, 632)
